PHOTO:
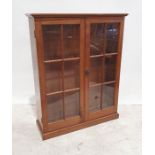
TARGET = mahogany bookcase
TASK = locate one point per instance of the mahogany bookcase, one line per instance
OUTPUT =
(76, 64)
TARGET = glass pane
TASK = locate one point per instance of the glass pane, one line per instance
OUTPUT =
(52, 41)
(108, 95)
(110, 68)
(53, 73)
(71, 40)
(96, 70)
(112, 32)
(71, 74)
(55, 107)
(96, 39)
(72, 103)
(94, 98)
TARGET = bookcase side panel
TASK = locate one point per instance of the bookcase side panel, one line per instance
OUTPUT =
(35, 69)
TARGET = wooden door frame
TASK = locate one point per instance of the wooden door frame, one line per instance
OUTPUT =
(112, 109)
(40, 55)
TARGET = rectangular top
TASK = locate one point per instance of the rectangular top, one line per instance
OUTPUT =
(44, 15)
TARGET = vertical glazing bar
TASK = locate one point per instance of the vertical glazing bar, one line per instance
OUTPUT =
(103, 59)
(118, 63)
(62, 54)
(105, 39)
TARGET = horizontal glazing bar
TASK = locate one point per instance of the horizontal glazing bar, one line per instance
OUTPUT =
(99, 84)
(102, 55)
(60, 60)
(65, 91)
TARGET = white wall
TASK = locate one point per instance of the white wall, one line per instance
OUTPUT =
(130, 85)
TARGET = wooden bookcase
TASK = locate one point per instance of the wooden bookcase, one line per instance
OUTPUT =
(76, 63)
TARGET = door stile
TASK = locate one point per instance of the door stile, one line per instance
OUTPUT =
(40, 43)
(40, 56)
(82, 63)
(87, 55)
(118, 64)
(62, 72)
(113, 108)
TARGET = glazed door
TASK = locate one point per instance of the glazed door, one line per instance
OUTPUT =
(62, 53)
(102, 67)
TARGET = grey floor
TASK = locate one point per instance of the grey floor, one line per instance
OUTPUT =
(117, 137)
